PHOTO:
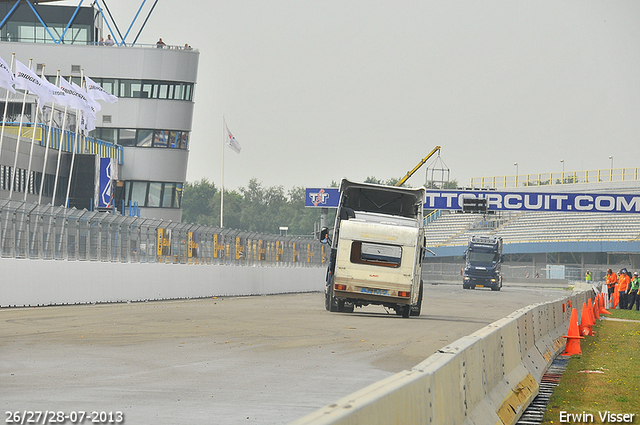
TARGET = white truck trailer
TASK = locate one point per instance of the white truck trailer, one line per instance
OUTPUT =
(377, 249)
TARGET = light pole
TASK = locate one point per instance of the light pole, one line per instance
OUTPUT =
(562, 162)
(611, 158)
(516, 164)
(611, 171)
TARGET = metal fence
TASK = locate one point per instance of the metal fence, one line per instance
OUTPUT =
(33, 231)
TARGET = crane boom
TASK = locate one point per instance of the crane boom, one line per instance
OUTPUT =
(425, 159)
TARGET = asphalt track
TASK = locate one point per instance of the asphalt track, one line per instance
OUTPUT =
(250, 360)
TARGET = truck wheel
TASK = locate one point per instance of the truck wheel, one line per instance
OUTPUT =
(333, 302)
(348, 307)
(406, 311)
(465, 286)
(415, 310)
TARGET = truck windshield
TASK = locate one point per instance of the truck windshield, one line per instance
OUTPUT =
(483, 257)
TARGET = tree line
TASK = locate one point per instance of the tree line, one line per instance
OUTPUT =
(256, 208)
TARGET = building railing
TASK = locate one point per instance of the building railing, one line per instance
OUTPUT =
(84, 145)
(544, 179)
(32, 231)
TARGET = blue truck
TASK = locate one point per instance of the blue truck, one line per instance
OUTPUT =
(483, 259)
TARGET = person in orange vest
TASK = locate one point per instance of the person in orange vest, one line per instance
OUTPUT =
(612, 279)
(623, 283)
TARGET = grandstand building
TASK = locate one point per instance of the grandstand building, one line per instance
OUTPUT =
(146, 133)
(544, 242)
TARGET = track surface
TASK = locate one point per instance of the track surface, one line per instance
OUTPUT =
(267, 359)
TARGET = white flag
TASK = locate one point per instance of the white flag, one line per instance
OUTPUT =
(98, 93)
(59, 96)
(95, 106)
(231, 141)
(77, 99)
(6, 76)
(25, 79)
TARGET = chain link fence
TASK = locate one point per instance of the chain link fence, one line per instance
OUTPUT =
(32, 231)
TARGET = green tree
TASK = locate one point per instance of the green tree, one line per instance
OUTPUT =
(195, 201)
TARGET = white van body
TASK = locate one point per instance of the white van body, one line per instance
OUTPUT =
(377, 249)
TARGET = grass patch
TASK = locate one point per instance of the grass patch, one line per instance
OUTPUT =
(606, 377)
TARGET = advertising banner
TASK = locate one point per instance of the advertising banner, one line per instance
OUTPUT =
(535, 201)
(105, 188)
(322, 198)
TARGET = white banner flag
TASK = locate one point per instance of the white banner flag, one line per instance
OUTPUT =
(98, 93)
(77, 99)
(25, 79)
(6, 76)
(231, 141)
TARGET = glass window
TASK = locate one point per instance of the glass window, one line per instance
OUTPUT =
(155, 193)
(173, 139)
(183, 139)
(376, 254)
(110, 85)
(160, 139)
(138, 193)
(144, 138)
(164, 89)
(179, 93)
(106, 134)
(177, 200)
(127, 137)
(167, 195)
(188, 89)
(170, 92)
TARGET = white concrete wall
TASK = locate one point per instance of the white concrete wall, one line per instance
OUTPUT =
(41, 282)
(486, 378)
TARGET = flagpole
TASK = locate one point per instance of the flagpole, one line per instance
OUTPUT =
(73, 155)
(222, 179)
(47, 144)
(6, 105)
(33, 139)
(15, 157)
(62, 134)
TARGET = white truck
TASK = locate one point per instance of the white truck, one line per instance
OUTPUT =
(377, 249)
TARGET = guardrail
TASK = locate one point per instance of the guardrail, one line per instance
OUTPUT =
(489, 377)
(32, 231)
(545, 179)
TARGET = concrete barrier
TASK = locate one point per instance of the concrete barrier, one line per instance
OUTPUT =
(46, 282)
(488, 377)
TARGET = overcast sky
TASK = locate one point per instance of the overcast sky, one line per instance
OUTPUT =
(319, 90)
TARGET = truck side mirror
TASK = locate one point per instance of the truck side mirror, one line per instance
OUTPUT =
(324, 235)
(464, 256)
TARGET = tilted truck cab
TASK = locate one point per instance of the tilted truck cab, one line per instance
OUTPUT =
(377, 249)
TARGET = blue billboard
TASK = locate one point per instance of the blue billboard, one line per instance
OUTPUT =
(105, 187)
(322, 198)
(535, 201)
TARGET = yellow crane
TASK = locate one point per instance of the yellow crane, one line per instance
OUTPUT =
(420, 164)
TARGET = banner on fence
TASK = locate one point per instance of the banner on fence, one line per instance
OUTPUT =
(535, 201)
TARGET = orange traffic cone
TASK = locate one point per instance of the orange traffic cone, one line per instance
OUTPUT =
(603, 310)
(585, 321)
(596, 308)
(573, 339)
(616, 297)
